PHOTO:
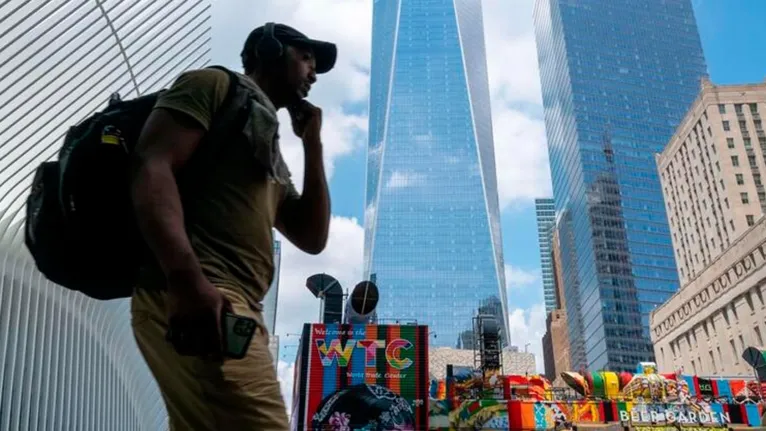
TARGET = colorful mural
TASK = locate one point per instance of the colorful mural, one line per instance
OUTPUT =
(361, 377)
(375, 377)
(547, 415)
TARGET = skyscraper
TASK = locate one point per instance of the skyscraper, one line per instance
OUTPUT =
(617, 77)
(68, 362)
(545, 212)
(432, 219)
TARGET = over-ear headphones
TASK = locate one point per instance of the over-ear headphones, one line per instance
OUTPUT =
(269, 47)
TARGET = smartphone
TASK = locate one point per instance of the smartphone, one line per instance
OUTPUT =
(238, 332)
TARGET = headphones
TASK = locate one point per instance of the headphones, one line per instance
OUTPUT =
(269, 47)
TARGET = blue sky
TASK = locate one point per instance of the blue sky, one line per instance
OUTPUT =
(733, 37)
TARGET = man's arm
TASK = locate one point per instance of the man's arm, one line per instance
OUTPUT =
(305, 219)
(167, 142)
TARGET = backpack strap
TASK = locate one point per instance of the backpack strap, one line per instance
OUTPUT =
(228, 120)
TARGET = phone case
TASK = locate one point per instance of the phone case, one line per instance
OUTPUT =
(239, 333)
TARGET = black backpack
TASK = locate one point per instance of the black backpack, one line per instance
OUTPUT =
(80, 225)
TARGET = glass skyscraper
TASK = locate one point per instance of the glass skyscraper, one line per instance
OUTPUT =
(617, 77)
(545, 212)
(432, 219)
(68, 362)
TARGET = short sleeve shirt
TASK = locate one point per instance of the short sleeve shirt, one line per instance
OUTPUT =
(230, 206)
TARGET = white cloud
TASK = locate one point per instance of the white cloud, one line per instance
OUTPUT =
(399, 179)
(286, 375)
(517, 277)
(528, 326)
(521, 156)
(342, 134)
(521, 153)
(342, 259)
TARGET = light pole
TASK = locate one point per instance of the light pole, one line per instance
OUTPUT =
(526, 350)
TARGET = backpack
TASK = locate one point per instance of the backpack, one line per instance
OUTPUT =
(80, 223)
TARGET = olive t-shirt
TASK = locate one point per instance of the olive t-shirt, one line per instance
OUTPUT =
(230, 205)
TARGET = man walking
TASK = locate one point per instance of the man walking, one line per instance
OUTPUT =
(206, 203)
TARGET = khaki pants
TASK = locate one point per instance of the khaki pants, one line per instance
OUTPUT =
(200, 395)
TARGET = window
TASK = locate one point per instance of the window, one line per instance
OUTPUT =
(753, 108)
(718, 166)
(734, 351)
(721, 109)
(749, 299)
(746, 141)
(730, 142)
(712, 361)
(744, 198)
(757, 179)
(734, 161)
(731, 223)
(726, 126)
(740, 179)
(762, 141)
(723, 186)
(750, 220)
(758, 336)
(751, 160)
(738, 108)
(758, 125)
(761, 196)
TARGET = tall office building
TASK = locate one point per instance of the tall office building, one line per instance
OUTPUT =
(617, 77)
(711, 173)
(432, 219)
(68, 362)
(272, 296)
(545, 212)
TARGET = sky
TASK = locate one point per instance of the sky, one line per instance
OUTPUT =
(733, 37)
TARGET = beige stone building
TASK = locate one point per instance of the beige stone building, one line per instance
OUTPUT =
(704, 328)
(711, 173)
(513, 362)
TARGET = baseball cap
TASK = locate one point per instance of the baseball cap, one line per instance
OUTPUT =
(325, 53)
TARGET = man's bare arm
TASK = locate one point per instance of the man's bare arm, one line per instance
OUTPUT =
(167, 142)
(305, 219)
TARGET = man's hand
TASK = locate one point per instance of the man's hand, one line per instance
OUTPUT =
(195, 316)
(307, 121)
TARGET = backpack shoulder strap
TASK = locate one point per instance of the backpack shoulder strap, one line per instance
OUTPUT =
(233, 82)
(228, 120)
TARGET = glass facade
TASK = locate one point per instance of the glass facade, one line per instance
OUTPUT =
(68, 362)
(432, 219)
(617, 77)
(545, 212)
(272, 296)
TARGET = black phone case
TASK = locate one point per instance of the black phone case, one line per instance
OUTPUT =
(241, 327)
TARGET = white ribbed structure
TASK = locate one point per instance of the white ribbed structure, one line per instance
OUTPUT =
(68, 362)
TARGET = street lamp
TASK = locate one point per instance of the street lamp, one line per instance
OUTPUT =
(525, 347)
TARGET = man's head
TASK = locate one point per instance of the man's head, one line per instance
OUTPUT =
(286, 61)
